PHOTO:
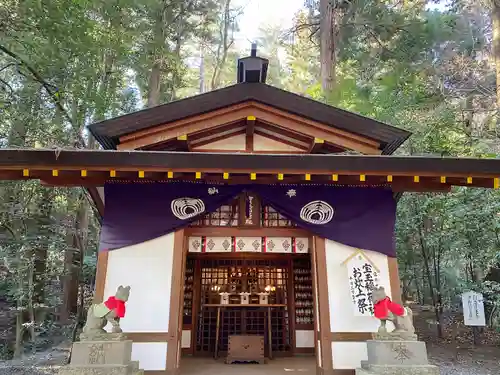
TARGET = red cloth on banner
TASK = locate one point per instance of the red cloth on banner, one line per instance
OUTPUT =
(381, 309)
(115, 304)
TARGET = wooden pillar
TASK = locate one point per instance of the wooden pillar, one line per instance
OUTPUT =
(176, 303)
(394, 280)
(322, 329)
(100, 277)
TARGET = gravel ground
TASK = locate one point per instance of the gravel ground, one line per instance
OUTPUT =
(469, 361)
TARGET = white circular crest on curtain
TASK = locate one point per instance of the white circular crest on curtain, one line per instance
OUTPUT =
(317, 212)
(186, 208)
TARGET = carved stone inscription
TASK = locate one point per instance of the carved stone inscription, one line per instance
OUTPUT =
(97, 354)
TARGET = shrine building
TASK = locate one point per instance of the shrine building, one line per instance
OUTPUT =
(247, 211)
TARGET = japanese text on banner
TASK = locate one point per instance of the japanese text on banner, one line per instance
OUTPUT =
(363, 277)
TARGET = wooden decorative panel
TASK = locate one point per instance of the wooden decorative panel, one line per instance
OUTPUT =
(218, 244)
(195, 244)
(248, 244)
(301, 245)
(283, 245)
(278, 245)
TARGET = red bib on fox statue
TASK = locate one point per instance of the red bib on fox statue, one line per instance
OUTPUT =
(382, 308)
(116, 304)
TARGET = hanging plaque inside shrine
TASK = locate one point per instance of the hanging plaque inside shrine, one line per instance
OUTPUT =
(363, 277)
(250, 210)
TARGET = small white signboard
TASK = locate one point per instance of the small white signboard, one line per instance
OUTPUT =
(473, 306)
(363, 276)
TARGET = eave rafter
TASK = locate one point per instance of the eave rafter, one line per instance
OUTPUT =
(258, 119)
(94, 168)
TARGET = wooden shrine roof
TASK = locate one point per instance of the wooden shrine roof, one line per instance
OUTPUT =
(109, 132)
(93, 168)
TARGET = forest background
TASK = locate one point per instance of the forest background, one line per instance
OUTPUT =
(428, 67)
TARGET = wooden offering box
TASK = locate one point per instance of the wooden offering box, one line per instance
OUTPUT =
(245, 348)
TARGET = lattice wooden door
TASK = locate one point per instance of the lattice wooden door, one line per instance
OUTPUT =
(248, 320)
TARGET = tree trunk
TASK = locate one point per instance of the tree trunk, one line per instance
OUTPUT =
(223, 47)
(327, 46)
(73, 258)
(495, 16)
(43, 223)
(202, 69)
(154, 86)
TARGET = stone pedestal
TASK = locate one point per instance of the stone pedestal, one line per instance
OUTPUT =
(105, 356)
(397, 357)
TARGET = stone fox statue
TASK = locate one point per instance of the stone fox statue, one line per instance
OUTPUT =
(385, 309)
(110, 311)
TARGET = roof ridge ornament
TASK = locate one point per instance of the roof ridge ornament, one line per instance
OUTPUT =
(252, 69)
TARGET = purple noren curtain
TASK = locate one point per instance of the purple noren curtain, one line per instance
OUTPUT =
(357, 217)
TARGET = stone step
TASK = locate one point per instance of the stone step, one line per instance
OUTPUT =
(96, 370)
(400, 369)
(360, 371)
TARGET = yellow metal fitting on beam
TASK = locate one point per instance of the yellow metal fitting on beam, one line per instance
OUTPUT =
(469, 180)
(83, 173)
(55, 173)
(335, 177)
(26, 172)
(496, 183)
(319, 140)
(443, 179)
(170, 174)
(362, 177)
(280, 176)
(307, 177)
(183, 137)
(251, 118)
(225, 176)
(112, 173)
(197, 175)
(141, 174)
(253, 176)
(416, 178)
(389, 178)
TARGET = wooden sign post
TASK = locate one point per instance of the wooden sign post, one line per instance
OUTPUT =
(473, 308)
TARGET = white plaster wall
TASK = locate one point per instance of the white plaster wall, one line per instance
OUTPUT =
(342, 318)
(304, 339)
(147, 268)
(236, 143)
(261, 143)
(186, 339)
(348, 355)
(151, 355)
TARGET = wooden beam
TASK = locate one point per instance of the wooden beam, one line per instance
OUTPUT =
(214, 138)
(180, 123)
(249, 138)
(304, 126)
(175, 130)
(261, 112)
(316, 146)
(313, 124)
(279, 139)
